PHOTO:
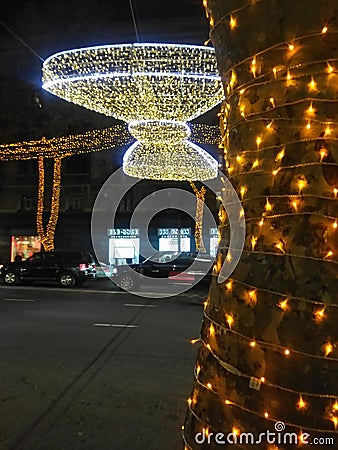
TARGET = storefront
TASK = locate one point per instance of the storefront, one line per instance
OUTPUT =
(124, 245)
(24, 246)
(174, 239)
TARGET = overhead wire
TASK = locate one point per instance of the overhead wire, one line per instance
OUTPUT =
(21, 40)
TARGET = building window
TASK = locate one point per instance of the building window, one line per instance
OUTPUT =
(74, 202)
(27, 203)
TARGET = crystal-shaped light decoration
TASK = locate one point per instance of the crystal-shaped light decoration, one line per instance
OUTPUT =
(156, 89)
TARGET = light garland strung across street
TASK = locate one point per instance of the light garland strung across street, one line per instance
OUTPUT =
(58, 148)
(156, 89)
(269, 345)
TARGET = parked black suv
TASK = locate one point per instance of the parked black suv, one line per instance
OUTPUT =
(68, 268)
(173, 266)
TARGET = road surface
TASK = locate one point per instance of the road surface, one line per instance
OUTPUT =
(94, 368)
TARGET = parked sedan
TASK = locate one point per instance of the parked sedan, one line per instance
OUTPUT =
(68, 268)
(172, 266)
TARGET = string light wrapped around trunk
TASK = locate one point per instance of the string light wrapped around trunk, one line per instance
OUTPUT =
(268, 358)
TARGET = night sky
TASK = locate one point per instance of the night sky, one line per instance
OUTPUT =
(26, 111)
(48, 27)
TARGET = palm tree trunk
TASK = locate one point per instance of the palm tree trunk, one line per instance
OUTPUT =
(269, 350)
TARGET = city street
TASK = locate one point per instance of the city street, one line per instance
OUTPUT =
(94, 368)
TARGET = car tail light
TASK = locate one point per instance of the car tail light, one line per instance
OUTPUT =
(83, 266)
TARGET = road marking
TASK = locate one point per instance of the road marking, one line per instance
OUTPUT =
(18, 300)
(114, 325)
(139, 305)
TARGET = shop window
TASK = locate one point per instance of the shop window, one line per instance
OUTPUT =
(24, 246)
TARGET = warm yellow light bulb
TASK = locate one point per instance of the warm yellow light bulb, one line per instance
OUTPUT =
(329, 254)
(289, 81)
(335, 192)
(243, 191)
(280, 246)
(319, 314)
(328, 131)
(301, 404)
(230, 319)
(253, 242)
(252, 344)
(312, 85)
(283, 304)
(255, 164)
(235, 431)
(269, 126)
(323, 153)
(268, 206)
(325, 29)
(253, 67)
(301, 438)
(275, 172)
(212, 330)
(287, 352)
(311, 110)
(209, 386)
(193, 341)
(189, 401)
(229, 285)
(261, 222)
(263, 380)
(233, 22)
(266, 415)
(335, 406)
(258, 141)
(308, 125)
(328, 348)
(335, 422)
(239, 159)
(295, 204)
(302, 183)
(280, 155)
(233, 79)
(252, 295)
(291, 47)
(272, 101)
(274, 70)
(335, 225)
(329, 68)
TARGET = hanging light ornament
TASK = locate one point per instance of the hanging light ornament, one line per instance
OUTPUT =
(156, 89)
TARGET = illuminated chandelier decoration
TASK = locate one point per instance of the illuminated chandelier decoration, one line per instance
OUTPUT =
(156, 89)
